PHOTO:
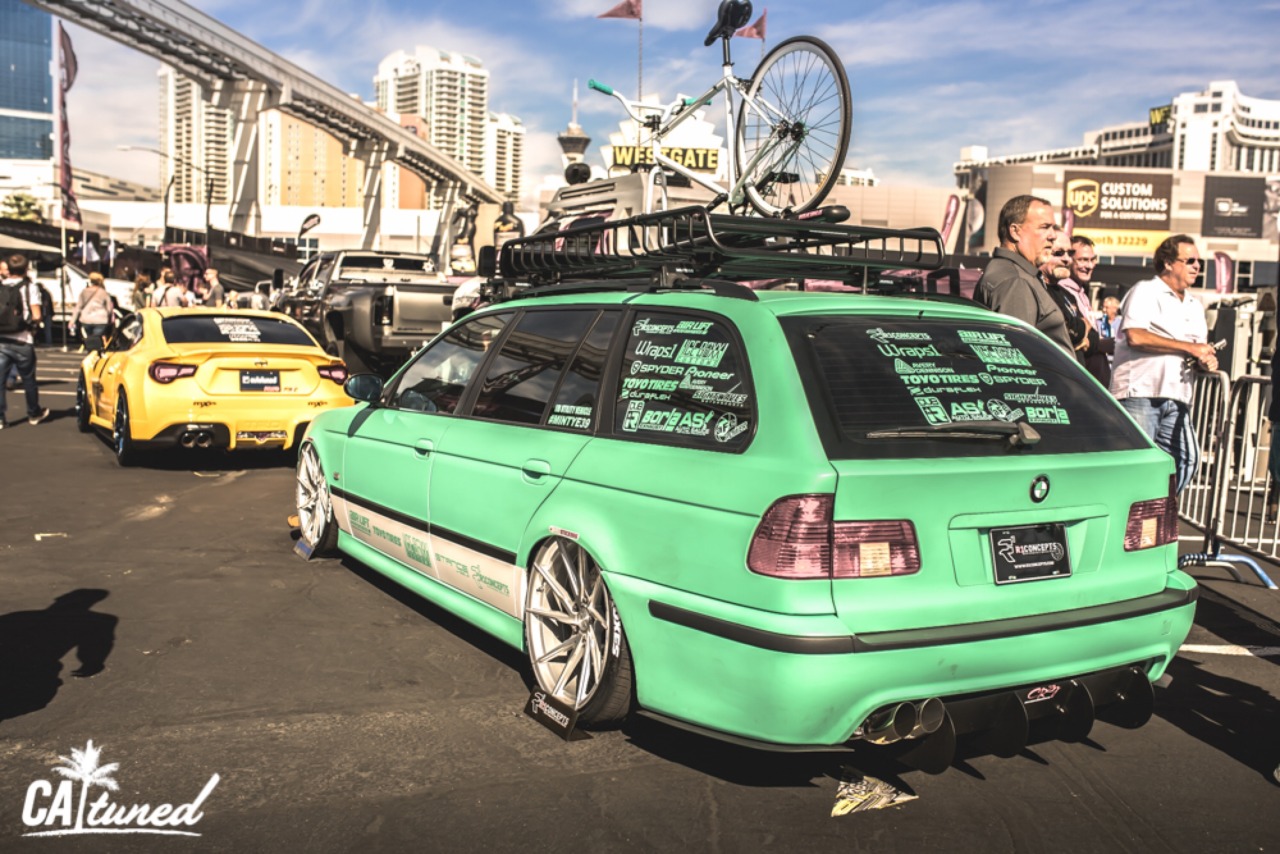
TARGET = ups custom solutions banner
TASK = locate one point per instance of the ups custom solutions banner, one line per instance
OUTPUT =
(1233, 206)
(1124, 213)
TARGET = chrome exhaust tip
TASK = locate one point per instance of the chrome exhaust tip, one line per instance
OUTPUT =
(187, 439)
(890, 724)
(204, 439)
(929, 716)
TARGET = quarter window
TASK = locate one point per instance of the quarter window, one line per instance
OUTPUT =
(435, 381)
(684, 382)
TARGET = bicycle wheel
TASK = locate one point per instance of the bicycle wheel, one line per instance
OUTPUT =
(796, 120)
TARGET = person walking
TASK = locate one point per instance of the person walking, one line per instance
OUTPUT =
(1163, 338)
(1012, 284)
(140, 296)
(94, 312)
(21, 313)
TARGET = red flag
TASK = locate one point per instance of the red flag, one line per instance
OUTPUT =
(69, 67)
(756, 30)
(626, 9)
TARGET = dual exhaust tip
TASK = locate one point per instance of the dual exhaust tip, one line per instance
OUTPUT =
(905, 720)
(196, 439)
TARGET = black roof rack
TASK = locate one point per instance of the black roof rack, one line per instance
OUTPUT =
(690, 242)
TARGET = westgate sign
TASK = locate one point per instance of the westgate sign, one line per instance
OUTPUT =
(697, 159)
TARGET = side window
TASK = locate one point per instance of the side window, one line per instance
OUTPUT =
(434, 382)
(130, 333)
(684, 382)
(523, 375)
(578, 397)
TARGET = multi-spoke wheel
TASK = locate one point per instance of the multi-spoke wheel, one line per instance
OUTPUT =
(575, 640)
(82, 406)
(315, 508)
(121, 438)
(793, 127)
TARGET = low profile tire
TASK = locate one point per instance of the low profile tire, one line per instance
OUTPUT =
(127, 454)
(82, 406)
(577, 647)
(315, 508)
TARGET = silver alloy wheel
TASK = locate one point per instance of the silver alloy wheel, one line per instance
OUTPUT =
(569, 618)
(315, 510)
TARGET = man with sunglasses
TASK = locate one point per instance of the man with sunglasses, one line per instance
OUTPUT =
(1163, 339)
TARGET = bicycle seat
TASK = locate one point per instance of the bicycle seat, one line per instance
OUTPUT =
(733, 16)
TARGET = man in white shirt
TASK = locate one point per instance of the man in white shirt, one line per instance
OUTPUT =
(17, 346)
(1163, 339)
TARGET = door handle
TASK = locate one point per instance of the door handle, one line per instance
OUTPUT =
(534, 470)
(423, 447)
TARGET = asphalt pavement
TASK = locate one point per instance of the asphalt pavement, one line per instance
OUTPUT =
(341, 713)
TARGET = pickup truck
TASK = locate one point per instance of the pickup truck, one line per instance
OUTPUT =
(372, 309)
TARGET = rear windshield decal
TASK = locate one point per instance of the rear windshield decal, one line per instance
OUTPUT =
(908, 387)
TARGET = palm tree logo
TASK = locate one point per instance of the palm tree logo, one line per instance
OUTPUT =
(83, 766)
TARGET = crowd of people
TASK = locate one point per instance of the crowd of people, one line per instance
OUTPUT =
(1145, 349)
(26, 311)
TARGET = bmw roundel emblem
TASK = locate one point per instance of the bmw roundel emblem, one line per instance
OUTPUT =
(1040, 489)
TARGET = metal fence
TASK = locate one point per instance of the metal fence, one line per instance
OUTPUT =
(1232, 497)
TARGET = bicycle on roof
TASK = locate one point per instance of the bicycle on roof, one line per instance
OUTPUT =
(790, 125)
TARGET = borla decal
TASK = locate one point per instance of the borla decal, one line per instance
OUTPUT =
(58, 807)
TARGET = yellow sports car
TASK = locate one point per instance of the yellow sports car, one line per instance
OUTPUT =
(206, 378)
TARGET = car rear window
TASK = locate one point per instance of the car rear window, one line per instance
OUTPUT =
(230, 329)
(890, 388)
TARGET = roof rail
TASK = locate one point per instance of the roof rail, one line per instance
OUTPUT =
(690, 241)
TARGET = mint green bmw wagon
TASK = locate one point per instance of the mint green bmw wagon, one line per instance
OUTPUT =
(788, 519)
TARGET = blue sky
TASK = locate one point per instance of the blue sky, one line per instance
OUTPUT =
(927, 77)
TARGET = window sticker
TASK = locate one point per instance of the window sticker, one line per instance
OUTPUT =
(238, 329)
(683, 383)
(567, 415)
(882, 383)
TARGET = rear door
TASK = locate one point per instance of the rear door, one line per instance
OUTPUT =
(1010, 467)
(534, 411)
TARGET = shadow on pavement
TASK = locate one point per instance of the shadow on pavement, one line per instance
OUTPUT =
(211, 460)
(1235, 622)
(1234, 717)
(33, 644)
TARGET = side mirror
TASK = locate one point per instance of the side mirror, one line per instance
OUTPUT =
(365, 387)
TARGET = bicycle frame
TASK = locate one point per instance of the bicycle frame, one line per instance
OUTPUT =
(675, 113)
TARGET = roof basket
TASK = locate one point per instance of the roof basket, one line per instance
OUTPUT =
(690, 241)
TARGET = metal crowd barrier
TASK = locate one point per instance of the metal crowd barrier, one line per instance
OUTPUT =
(1208, 415)
(1228, 498)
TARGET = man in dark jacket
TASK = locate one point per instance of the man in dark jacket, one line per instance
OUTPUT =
(1011, 284)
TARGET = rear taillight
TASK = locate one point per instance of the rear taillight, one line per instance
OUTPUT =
(793, 539)
(167, 372)
(337, 373)
(1153, 523)
(797, 538)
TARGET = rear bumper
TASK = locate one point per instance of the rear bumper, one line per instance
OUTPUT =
(234, 436)
(788, 681)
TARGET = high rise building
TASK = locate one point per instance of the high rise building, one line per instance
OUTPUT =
(300, 164)
(449, 93)
(449, 90)
(195, 137)
(26, 87)
(504, 154)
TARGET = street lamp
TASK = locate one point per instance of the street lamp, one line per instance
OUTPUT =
(208, 186)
